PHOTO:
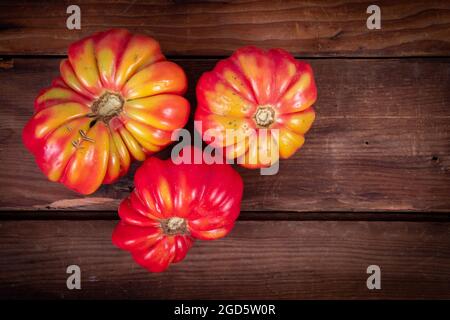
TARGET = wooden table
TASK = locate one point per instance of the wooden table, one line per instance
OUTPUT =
(371, 186)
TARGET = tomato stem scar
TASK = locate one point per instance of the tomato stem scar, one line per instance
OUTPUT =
(264, 116)
(174, 225)
(107, 106)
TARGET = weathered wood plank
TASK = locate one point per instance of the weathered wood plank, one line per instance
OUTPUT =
(312, 28)
(278, 260)
(381, 142)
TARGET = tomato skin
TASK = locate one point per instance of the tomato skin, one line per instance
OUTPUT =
(117, 100)
(206, 197)
(254, 90)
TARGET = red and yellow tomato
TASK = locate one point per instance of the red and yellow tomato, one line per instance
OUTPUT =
(173, 204)
(256, 105)
(117, 99)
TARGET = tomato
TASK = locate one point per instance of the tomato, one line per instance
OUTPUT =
(173, 204)
(117, 99)
(256, 105)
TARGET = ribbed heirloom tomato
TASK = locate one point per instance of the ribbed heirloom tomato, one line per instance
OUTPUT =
(117, 99)
(173, 204)
(251, 91)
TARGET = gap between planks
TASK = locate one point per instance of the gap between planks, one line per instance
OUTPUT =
(244, 216)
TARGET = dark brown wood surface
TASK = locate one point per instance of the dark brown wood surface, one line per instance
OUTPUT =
(306, 28)
(370, 186)
(381, 142)
(258, 260)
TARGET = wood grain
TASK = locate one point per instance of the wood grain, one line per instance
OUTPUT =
(306, 28)
(258, 260)
(381, 142)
